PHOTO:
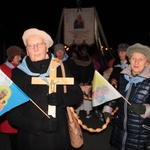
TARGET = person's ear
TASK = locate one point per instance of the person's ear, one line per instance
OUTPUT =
(146, 64)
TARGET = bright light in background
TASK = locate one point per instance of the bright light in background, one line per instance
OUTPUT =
(67, 48)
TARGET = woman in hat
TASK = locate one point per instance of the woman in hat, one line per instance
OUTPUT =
(36, 130)
(14, 56)
(132, 126)
(8, 133)
(60, 52)
(121, 62)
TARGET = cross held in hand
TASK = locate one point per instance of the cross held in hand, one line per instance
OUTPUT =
(53, 80)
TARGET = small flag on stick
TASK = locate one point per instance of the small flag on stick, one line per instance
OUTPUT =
(102, 90)
(11, 95)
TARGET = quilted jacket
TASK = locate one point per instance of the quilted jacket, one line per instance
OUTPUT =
(131, 131)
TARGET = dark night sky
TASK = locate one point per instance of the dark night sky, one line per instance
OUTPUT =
(121, 21)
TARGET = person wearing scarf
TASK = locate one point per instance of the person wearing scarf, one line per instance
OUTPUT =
(36, 131)
(8, 133)
(131, 128)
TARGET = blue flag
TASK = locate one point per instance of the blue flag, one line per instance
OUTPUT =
(11, 95)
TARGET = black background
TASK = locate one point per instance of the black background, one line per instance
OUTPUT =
(121, 21)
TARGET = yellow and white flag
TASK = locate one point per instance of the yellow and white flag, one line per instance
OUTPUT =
(102, 90)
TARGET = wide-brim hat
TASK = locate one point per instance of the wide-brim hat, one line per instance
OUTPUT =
(33, 31)
(140, 49)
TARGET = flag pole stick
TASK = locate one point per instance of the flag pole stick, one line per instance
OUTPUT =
(126, 100)
(40, 108)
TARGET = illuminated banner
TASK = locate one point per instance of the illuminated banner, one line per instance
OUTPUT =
(79, 26)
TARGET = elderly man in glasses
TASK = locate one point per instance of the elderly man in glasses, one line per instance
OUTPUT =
(36, 131)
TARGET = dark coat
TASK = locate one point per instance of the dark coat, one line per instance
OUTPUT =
(117, 69)
(27, 117)
(129, 132)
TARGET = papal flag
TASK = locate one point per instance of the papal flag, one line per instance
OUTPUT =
(10, 94)
(102, 90)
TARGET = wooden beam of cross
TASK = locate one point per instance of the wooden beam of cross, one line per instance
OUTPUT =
(53, 80)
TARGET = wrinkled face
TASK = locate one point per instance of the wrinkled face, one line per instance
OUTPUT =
(60, 54)
(122, 55)
(138, 62)
(16, 60)
(36, 48)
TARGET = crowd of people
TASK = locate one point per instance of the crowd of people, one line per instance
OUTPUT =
(27, 128)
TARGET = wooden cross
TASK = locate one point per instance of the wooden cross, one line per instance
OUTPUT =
(53, 80)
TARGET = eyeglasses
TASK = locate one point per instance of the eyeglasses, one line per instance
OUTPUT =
(32, 46)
